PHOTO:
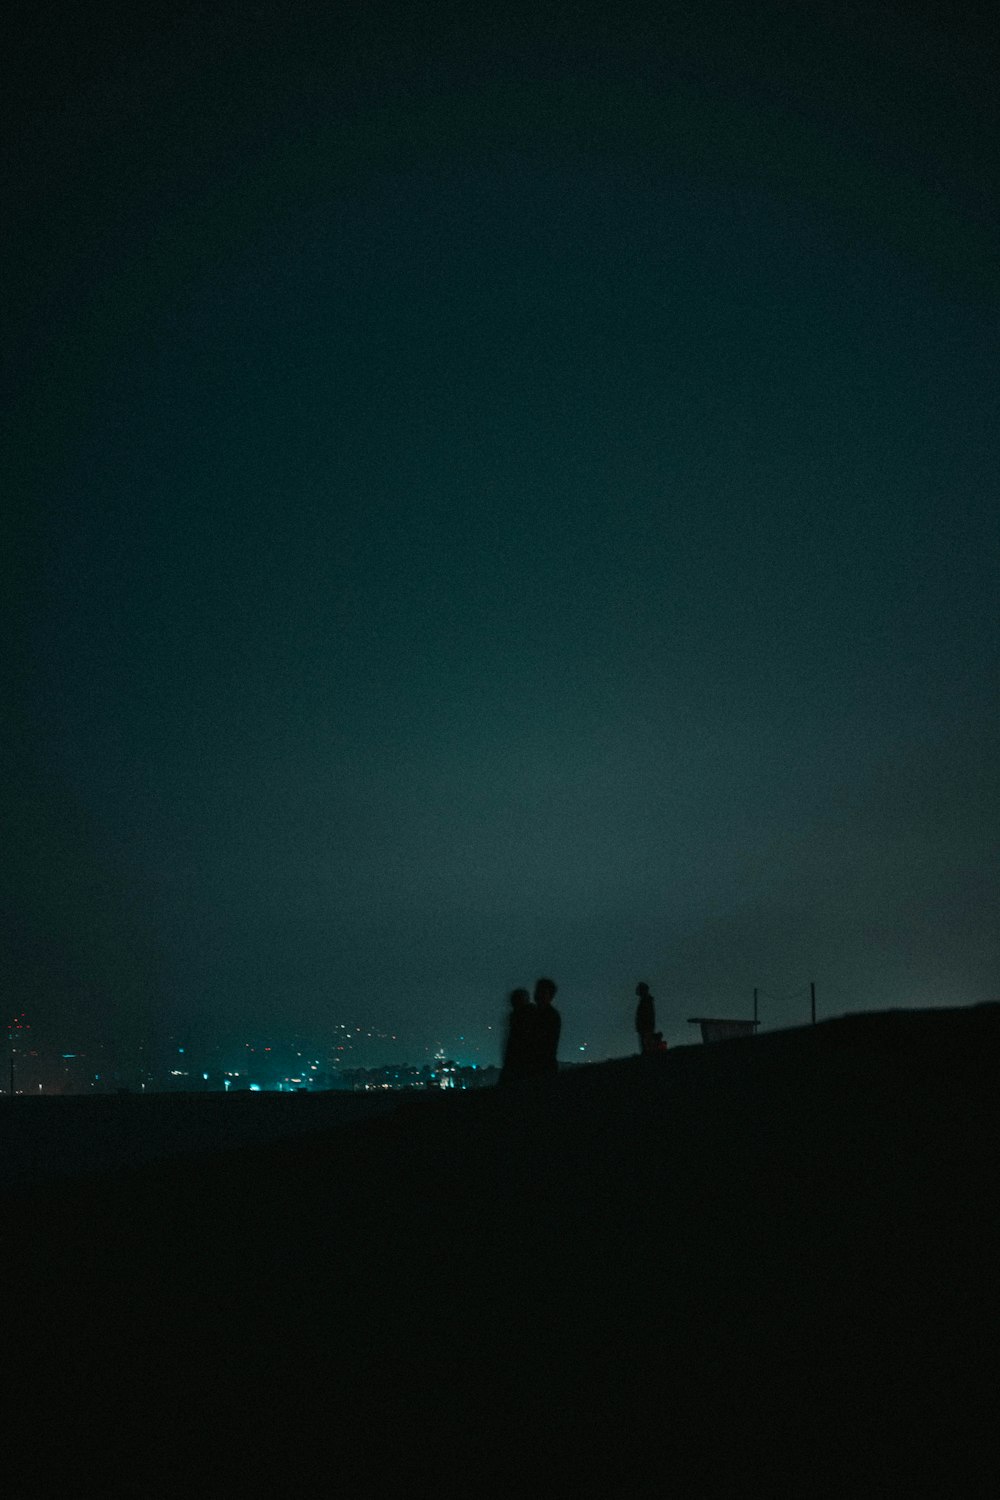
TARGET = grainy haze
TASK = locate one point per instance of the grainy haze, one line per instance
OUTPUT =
(498, 498)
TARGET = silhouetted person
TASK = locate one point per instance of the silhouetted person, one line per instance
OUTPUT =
(645, 1017)
(518, 1052)
(548, 1024)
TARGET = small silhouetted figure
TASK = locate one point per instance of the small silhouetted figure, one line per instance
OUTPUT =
(645, 1018)
(548, 1024)
(518, 1052)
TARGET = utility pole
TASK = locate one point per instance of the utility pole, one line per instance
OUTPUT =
(755, 1007)
(812, 999)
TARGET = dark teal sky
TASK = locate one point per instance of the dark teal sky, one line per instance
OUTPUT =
(496, 499)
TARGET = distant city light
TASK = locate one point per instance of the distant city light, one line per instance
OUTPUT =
(330, 1067)
(255, 1088)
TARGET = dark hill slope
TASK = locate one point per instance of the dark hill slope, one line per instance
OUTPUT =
(761, 1267)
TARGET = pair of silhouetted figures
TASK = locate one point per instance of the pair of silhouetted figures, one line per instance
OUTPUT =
(532, 1034)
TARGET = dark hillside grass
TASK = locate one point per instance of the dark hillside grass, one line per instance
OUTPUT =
(761, 1267)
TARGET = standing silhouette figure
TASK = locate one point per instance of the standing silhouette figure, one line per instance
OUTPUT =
(548, 1024)
(645, 1017)
(518, 1052)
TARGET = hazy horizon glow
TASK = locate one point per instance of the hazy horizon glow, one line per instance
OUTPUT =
(495, 501)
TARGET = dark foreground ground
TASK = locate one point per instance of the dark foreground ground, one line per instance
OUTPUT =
(80, 1135)
(764, 1267)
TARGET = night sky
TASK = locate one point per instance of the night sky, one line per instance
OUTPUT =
(498, 497)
